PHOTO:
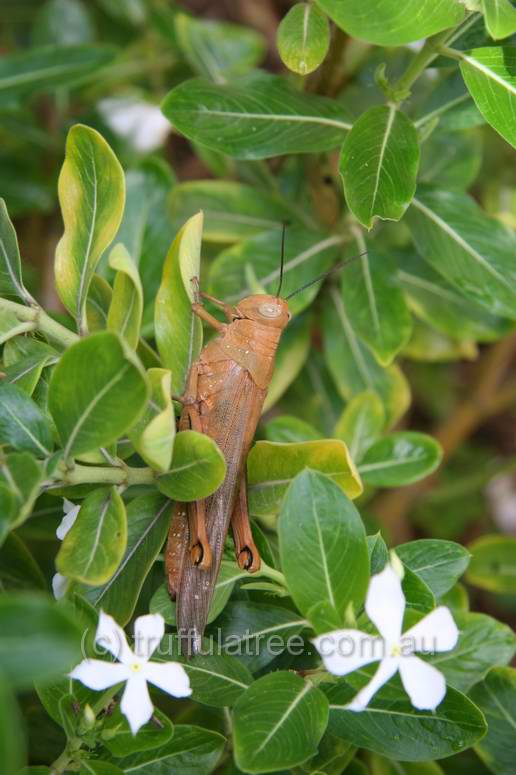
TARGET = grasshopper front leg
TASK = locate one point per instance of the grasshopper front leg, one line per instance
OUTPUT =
(247, 554)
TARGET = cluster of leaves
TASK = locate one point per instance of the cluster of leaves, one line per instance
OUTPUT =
(86, 397)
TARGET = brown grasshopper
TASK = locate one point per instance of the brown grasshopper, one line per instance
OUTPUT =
(224, 396)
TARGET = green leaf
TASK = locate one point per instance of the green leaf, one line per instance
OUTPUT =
(38, 639)
(375, 304)
(21, 475)
(19, 569)
(496, 698)
(307, 255)
(266, 734)
(232, 211)
(92, 195)
(12, 742)
(320, 528)
(272, 466)
(500, 18)
(386, 767)
(256, 633)
(198, 468)
(148, 521)
(391, 726)
(97, 392)
(287, 429)
(11, 326)
(489, 76)
(218, 50)
(11, 280)
(361, 423)
(94, 547)
(191, 750)
(154, 433)
(334, 756)
(25, 372)
(98, 302)
(431, 346)
(438, 303)
(126, 308)
(483, 643)
(451, 159)
(44, 69)
(469, 249)
(353, 367)
(390, 24)
(439, 563)
(291, 355)
(116, 734)
(493, 563)
(378, 165)
(178, 330)
(261, 117)
(400, 458)
(303, 38)
(417, 594)
(23, 426)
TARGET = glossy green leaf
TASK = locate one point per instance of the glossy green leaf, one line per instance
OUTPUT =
(94, 547)
(21, 476)
(287, 429)
(500, 16)
(198, 468)
(98, 303)
(493, 563)
(97, 392)
(391, 24)
(262, 116)
(218, 50)
(148, 521)
(291, 355)
(11, 280)
(38, 639)
(116, 734)
(391, 726)
(483, 643)
(319, 528)
(400, 458)
(353, 367)
(379, 163)
(307, 254)
(496, 698)
(232, 211)
(92, 195)
(178, 330)
(25, 372)
(267, 720)
(126, 308)
(191, 750)
(375, 303)
(303, 38)
(439, 304)
(333, 757)
(272, 466)
(439, 563)
(491, 81)
(12, 742)
(23, 426)
(361, 423)
(417, 593)
(154, 433)
(43, 69)
(469, 249)
(256, 633)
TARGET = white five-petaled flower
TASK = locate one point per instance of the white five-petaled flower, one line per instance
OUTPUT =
(142, 124)
(60, 582)
(133, 667)
(344, 651)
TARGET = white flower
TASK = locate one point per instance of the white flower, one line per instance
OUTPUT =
(60, 582)
(344, 651)
(133, 667)
(142, 124)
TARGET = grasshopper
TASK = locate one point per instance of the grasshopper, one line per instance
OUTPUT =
(224, 396)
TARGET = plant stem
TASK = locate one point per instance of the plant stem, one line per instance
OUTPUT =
(124, 475)
(42, 322)
(272, 573)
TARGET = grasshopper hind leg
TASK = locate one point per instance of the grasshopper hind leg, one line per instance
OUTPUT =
(247, 554)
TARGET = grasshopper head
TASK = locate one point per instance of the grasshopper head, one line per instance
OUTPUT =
(267, 310)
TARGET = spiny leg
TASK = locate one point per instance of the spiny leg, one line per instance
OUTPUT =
(247, 554)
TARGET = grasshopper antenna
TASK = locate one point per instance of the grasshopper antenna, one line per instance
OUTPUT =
(282, 258)
(324, 275)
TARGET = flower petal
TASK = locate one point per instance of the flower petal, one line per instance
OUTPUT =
(385, 604)
(148, 632)
(70, 515)
(96, 674)
(344, 651)
(136, 704)
(424, 683)
(59, 585)
(386, 670)
(111, 636)
(436, 632)
(171, 677)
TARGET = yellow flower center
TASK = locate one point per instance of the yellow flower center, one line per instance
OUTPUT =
(136, 667)
(396, 650)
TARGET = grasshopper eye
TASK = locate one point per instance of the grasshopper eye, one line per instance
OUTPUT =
(269, 310)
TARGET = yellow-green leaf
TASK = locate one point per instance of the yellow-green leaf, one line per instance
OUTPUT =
(153, 435)
(303, 38)
(126, 308)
